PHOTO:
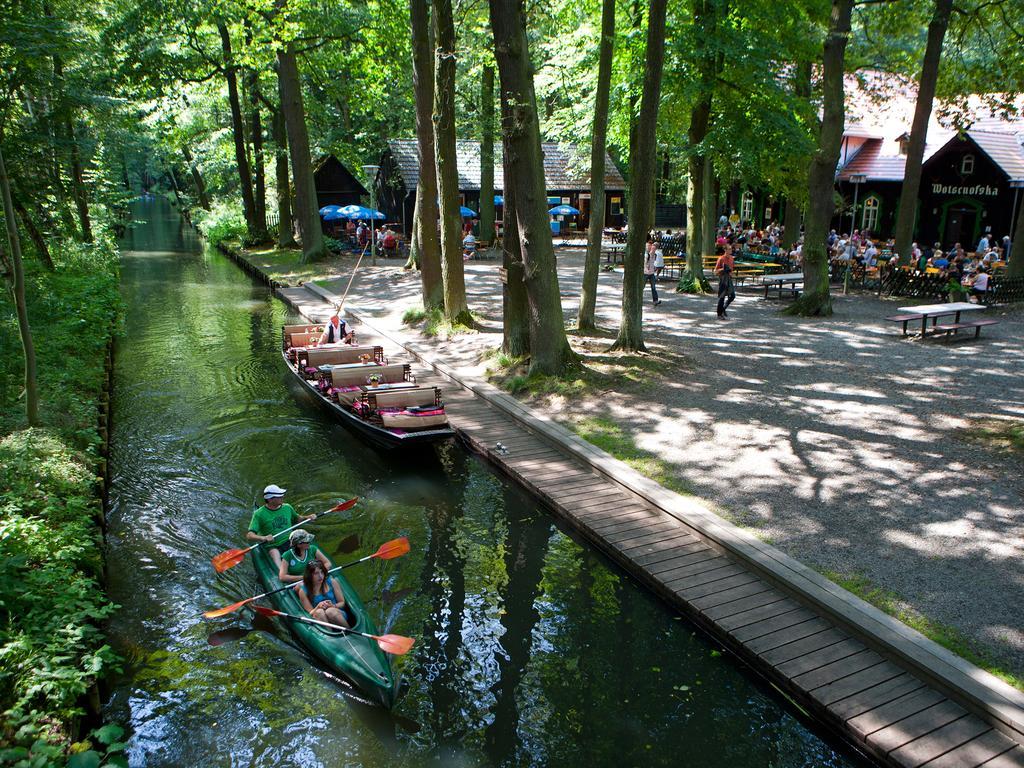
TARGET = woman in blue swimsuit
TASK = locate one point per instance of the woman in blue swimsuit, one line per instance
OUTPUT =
(321, 595)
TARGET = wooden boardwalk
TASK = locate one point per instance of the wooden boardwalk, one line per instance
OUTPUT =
(845, 678)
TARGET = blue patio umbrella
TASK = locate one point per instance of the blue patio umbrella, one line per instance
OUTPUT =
(564, 210)
(467, 213)
(499, 200)
(329, 211)
(359, 212)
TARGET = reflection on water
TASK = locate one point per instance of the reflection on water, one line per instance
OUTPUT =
(532, 650)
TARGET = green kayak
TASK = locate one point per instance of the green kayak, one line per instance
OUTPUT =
(357, 658)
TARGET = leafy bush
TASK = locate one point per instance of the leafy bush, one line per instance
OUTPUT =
(51, 563)
(225, 221)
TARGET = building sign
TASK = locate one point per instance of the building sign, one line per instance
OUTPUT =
(977, 190)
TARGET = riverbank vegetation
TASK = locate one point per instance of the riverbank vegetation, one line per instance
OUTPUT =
(61, 154)
(52, 649)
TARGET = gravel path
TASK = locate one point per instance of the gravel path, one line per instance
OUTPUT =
(838, 441)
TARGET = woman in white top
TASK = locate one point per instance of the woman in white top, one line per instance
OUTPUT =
(979, 286)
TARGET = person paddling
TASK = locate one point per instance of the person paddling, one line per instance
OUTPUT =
(273, 517)
(321, 595)
(301, 552)
(335, 331)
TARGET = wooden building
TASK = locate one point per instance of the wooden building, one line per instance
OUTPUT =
(566, 175)
(335, 184)
(970, 184)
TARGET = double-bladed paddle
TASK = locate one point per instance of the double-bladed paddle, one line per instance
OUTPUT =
(232, 557)
(396, 645)
(392, 549)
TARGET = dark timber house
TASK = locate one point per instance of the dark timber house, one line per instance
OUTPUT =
(335, 184)
(970, 183)
(566, 174)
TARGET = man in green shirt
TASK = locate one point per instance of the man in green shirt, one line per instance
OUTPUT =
(271, 519)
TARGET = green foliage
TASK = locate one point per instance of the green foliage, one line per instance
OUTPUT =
(1005, 435)
(224, 221)
(51, 645)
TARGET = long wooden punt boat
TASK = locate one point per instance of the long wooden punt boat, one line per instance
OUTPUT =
(359, 659)
(378, 399)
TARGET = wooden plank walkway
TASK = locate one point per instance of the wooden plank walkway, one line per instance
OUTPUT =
(866, 695)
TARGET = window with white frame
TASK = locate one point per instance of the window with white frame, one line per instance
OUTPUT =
(747, 207)
(869, 219)
(967, 165)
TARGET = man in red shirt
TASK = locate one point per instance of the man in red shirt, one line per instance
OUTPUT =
(726, 291)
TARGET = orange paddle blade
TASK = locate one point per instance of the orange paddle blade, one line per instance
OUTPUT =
(218, 612)
(394, 548)
(396, 645)
(228, 559)
(266, 611)
(344, 505)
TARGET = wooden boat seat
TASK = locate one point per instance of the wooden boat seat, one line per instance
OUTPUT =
(339, 355)
(288, 332)
(347, 381)
(302, 338)
(414, 397)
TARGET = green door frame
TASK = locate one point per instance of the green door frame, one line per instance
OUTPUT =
(977, 219)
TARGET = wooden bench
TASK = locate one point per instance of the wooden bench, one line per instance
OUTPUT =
(346, 382)
(903, 319)
(952, 328)
(290, 332)
(317, 356)
(396, 408)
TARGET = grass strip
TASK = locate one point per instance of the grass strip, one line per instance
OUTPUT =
(948, 637)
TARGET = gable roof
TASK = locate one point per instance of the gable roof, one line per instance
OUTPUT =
(329, 164)
(1003, 149)
(566, 167)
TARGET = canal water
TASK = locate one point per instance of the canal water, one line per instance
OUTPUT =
(532, 650)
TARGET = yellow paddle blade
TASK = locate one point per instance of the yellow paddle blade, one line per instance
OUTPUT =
(396, 645)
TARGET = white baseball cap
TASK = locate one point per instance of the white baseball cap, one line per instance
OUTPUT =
(273, 490)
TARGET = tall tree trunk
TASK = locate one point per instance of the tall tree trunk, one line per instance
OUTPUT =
(692, 279)
(252, 84)
(1015, 268)
(585, 318)
(18, 289)
(37, 238)
(285, 229)
(642, 171)
(455, 308)
(197, 177)
(791, 223)
(238, 133)
(78, 190)
(487, 155)
(524, 177)
(425, 220)
(710, 205)
(919, 129)
(413, 262)
(306, 212)
(817, 299)
(794, 213)
(515, 308)
(78, 184)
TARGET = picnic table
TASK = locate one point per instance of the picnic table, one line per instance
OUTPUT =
(780, 281)
(935, 311)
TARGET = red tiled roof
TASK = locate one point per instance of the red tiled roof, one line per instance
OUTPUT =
(870, 162)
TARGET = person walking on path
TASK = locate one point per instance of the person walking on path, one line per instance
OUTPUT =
(650, 270)
(726, 290)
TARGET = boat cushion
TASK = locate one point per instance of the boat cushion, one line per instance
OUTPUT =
(411, 420)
